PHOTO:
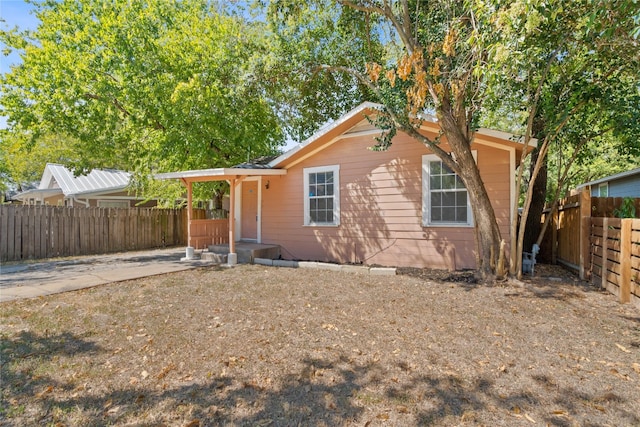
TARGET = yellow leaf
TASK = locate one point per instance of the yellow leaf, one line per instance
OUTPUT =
(383, 416)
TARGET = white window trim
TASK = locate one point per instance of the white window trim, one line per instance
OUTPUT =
(336, 195)
(600, 187)
(426, 199)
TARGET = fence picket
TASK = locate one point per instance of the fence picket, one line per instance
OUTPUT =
(52, 231)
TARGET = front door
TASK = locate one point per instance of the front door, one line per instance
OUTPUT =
(249, 201)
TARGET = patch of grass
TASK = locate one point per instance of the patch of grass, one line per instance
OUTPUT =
(369, 398)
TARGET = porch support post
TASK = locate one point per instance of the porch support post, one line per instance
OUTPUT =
(232, 257)
(190, 250)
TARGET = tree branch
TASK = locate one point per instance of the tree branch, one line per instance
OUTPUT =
(388, 13)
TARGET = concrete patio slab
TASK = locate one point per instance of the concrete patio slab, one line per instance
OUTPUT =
(35, 279)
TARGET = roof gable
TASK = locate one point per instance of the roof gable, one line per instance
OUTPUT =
(98, 180)
(354, 123)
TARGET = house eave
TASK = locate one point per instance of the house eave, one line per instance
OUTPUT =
(282, 160)
(42, 192)
(428, 122)
(609, 178)
(218, 174)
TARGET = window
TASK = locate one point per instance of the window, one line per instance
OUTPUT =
(113, 203)
(445, 199)
(322, 195)
(603, 190)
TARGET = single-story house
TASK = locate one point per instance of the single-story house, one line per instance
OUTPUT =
(333, 199)
(102, 188)
(623, 184)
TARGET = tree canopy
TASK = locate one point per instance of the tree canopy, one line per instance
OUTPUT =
(144, 86)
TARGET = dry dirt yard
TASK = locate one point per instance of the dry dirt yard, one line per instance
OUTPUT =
(263, 346)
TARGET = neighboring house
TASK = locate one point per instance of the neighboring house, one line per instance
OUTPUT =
(333, 199)
(101, 188)
(623, 184)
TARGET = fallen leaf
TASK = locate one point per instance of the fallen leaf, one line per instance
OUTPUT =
(559, 412)
(193, 423)
(622, 348)
(383, 416)
(113, 410)
(144, 374)
(636, 367)
(170, 367)
(402, 409)
(139, 398)
(45, 392)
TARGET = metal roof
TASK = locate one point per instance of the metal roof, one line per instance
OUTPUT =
(58, 176)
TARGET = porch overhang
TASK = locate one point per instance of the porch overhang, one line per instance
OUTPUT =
(234, 176)
(219, 174)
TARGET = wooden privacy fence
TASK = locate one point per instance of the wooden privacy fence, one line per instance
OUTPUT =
(615, 257)
(36, 232)
(585, 237)
(566, 234)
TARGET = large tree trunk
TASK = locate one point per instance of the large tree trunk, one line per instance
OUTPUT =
(533, 225)
(487, 232)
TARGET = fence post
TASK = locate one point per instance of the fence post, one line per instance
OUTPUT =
(605, 254)
(625, 260)
(555, 220)
(585, 232)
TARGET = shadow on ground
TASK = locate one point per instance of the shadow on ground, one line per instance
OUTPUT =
(320, 393)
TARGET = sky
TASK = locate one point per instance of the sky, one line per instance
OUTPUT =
(14, 13)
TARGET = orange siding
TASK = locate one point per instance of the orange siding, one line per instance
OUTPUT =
(381, 208)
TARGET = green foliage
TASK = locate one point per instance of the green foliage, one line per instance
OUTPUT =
(585, 64)
(23, 163)
(143, 86)
(627, 209)
(303, 38)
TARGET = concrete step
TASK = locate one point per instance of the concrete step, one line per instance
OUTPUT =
(213, 257)
(247, 252)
